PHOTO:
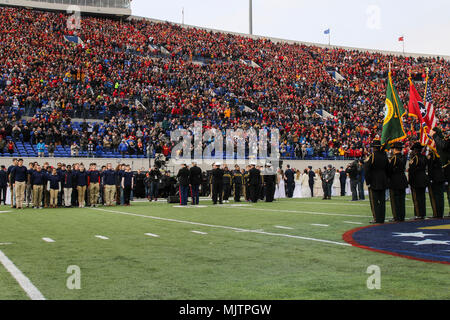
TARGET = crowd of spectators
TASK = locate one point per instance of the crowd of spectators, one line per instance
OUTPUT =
(146, 79)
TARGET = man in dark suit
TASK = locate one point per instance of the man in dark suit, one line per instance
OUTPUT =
(269, 182)
(324, 183)
(154, 178)
(352, 171)
(342, 180)
(443, 149)
(183, 179)
(437, 183)
(195, 176)
(397, 183)
(377, 181)
(328, 177)
(3, 184)
(361, 180)
(418, 180)
(217, 183)
(238, 181)
(290, 183)
(311, 176)
(227, 180)
(254, 181)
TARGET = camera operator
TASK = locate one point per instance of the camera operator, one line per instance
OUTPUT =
(352, 172)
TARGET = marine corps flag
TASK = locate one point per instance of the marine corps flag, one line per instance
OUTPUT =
(393, 117)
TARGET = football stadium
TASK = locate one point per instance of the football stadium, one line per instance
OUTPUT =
(150, 160)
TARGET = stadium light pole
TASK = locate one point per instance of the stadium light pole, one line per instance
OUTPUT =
(250, 7)
(182, 16)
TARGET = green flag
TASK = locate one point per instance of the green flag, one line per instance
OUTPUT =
(393, 113)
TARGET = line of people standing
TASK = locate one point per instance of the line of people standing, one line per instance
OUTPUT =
(65, 186)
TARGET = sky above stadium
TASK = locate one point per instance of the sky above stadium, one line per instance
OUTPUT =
(371, 24)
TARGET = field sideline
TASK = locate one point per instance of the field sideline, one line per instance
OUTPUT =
(289, 249)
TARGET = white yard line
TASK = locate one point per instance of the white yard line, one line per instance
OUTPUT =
(5, 244)
(102, 237)
(285, 228)
(224, 227)
(48, 240)
(351, 222)
(190, 206)
(350, 203)
(367, 203)
(304, 212)
(152, 235)
(21, 279)
(198, 232)
(255, 231)
(319, 225)
(5, 211)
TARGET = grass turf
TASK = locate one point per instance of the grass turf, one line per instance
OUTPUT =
(223, 264)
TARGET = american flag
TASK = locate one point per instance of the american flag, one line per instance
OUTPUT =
(429, 119)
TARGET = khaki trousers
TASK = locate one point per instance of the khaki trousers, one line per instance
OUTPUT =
(81, 193)
(20, 193)
(110, 195)
(54, 197)
(94, 190)
(37, 195)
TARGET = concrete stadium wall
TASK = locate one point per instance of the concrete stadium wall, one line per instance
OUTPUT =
(63, 7)
(144, 163)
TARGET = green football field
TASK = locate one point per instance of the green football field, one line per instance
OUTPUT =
(289, 249)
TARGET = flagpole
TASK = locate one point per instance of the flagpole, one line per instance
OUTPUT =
(329, 37)
(403, 44)
(250, 9)
(426, 85)
(409, 116)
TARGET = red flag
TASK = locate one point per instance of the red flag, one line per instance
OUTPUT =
(418, 110)
(415, 103)
(401, 39)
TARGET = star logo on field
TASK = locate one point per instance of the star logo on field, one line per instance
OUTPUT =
(414, 234)
(428, 241)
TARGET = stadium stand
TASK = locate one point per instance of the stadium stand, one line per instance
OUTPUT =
(138, 80)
